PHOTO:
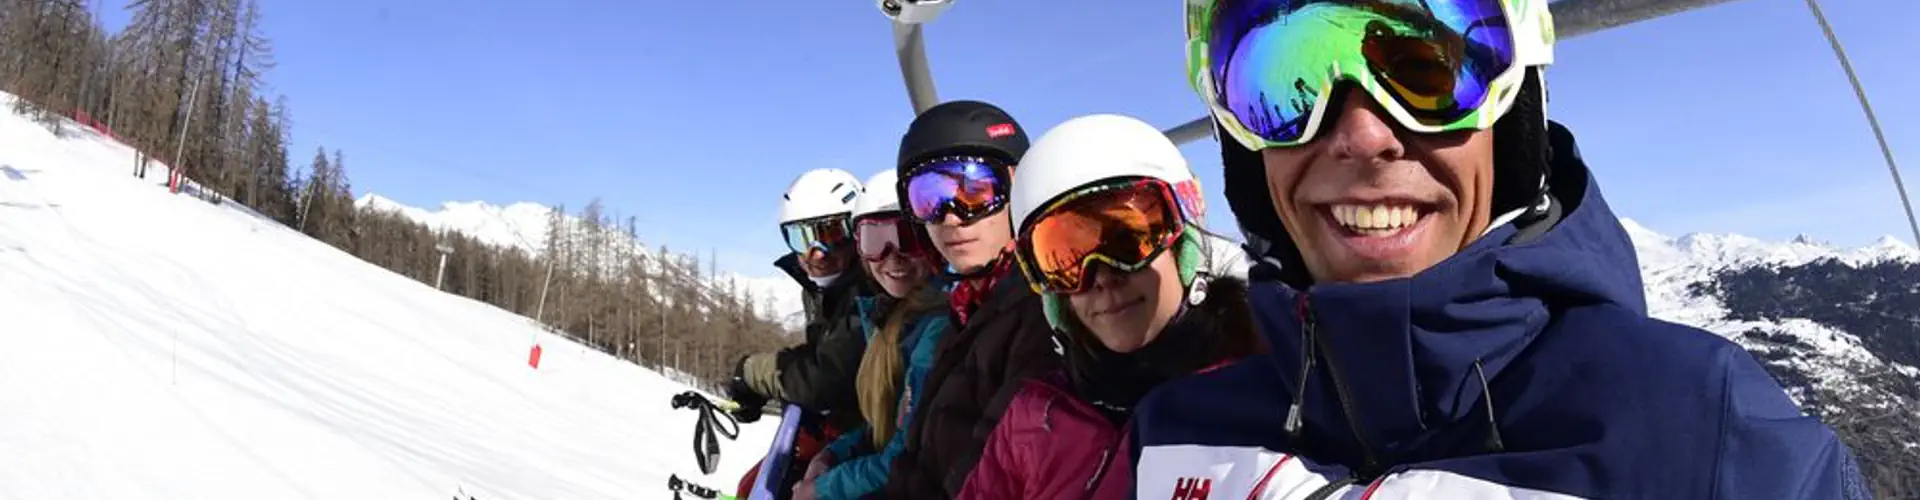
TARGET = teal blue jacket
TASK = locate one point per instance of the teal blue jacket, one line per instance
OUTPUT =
(858, 472)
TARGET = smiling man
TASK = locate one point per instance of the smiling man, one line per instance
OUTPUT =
(1451, 308)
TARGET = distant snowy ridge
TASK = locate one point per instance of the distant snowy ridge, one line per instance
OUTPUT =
(1668, 265)
(525, 225)
(1671, 266)
(520, 225)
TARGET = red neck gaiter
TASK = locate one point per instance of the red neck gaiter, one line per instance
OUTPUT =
(972, 291)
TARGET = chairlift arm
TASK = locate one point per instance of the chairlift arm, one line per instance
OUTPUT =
(912, 52)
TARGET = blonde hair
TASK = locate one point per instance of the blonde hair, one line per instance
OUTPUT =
(883, 365)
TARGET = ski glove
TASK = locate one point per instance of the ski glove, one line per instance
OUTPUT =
(761, 372)
(742, 389)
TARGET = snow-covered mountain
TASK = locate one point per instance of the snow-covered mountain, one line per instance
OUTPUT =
(525, 226)
(1676, 272)
(1670, 265)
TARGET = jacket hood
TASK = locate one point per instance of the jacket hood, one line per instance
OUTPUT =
(1219, 329)
(1396, 363)
(856, 274)
(790, 263)
(873, 309)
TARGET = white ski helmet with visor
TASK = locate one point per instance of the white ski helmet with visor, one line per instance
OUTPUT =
(1109, 189)
(816, 210)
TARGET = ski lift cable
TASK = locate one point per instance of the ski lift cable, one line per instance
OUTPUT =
(1872, 121)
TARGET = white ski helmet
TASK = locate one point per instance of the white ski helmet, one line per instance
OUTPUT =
(1097, 147)
(819, 193)
(878, 196)
(1093, 148)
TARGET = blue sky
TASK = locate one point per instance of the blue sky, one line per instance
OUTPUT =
(1734, 118)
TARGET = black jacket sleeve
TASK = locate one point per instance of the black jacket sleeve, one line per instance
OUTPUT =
(818, 375)
(1029, 352)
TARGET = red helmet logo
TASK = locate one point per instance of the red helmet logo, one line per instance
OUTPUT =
(999, 130)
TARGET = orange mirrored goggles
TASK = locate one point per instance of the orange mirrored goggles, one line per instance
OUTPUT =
(1123, 224)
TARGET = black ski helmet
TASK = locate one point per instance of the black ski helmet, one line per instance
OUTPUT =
(962, 127)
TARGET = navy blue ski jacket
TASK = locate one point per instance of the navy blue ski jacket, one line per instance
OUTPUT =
(1589, 397)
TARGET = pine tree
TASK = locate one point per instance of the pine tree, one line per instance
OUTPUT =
(313, 190)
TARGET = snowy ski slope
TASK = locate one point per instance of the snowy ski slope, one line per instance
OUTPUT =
(158, 346)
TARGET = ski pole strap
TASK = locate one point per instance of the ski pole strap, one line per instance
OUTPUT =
(678, 485)
(706, 446)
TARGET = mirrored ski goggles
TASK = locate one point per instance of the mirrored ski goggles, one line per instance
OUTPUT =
(880, 236)
(1268, 68)
(967, 187)
(1124, 224)
(820, 233)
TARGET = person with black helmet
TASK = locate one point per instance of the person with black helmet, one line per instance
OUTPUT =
(1450, 307)
(955, 167)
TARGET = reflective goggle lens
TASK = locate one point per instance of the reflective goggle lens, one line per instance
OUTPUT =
(877, 237)
(967, 187)
(824, 233)
(1273, 63)
(1124, 225)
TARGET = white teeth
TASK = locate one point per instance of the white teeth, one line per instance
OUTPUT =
(1375, 217)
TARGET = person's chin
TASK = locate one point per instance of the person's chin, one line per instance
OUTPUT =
(1133, 342)
(968, 258)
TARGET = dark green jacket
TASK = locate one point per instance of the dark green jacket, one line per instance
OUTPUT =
(818, 374)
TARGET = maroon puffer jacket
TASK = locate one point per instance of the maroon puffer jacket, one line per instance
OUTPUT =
(1052, 445)
(1058, 442)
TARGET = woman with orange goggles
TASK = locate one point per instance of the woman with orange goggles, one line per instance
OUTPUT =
(1109, 234)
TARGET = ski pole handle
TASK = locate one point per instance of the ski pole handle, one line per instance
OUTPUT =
(692, 399)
